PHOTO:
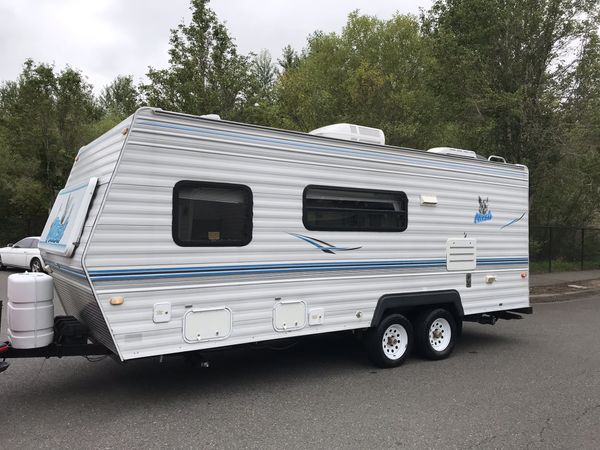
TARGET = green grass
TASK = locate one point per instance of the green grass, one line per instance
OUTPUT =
(559, 265)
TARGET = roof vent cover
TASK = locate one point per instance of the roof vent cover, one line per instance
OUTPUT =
(350, 132)
(453, 152)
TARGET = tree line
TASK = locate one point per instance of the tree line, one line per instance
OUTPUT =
(516, 78)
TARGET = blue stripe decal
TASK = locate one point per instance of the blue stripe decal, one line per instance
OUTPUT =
(345, 152)
(246, 272)
(267, 266)
(69, 270)
(133, 274)
(297, 265)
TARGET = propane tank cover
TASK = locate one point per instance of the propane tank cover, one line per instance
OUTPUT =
(30, 310)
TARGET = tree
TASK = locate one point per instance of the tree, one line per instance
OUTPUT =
(205, 73)
(120, 98)
(577, 179)
(265, 73)
(289, 58)
(259, 105)
(373, 73)
(500, 70)
(44, 120)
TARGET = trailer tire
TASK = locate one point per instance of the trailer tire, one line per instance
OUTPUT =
(435, 333)
(389, 344)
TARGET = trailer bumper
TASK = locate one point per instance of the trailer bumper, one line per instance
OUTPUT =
(490, 318)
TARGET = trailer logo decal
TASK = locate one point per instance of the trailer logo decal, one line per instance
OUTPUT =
(484, 212)
(322, 245)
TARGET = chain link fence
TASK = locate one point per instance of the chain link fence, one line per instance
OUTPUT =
(558, 248)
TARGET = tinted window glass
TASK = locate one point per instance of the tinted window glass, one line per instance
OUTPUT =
(34, 243)
(211, 214)
(23, 243)
(344, 209)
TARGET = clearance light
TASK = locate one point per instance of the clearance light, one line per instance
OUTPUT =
(523, 274)
(117, 300)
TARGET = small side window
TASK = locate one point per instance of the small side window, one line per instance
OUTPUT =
(329, 208)
(211, 214)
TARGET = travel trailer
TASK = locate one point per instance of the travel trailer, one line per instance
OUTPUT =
(178, 233)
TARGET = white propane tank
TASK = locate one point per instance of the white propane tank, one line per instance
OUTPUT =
(30, 310)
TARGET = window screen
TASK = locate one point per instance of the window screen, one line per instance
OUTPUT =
(343, 209)
(211, 214)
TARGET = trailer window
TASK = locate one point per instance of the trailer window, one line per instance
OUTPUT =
(329, 208)
(211, 214)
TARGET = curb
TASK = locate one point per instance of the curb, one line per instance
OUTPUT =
(561, 296)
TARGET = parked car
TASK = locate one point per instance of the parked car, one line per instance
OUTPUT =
(24, 254)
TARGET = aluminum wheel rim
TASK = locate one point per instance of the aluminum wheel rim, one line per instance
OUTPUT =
(394, 341)
(440, 334)
(36, 266)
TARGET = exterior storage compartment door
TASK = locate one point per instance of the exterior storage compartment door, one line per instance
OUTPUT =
(65, 223)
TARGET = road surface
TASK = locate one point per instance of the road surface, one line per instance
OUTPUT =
(533, 383)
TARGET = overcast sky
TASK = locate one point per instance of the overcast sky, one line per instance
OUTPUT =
(105, 38)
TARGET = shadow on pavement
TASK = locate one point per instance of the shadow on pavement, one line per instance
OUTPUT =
(337, 356)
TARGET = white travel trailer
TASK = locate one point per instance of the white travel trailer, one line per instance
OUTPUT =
(177, 233)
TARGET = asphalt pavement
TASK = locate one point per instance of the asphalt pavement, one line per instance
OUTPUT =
(553, 278)
(531, 383)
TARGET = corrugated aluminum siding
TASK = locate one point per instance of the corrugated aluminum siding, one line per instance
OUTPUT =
(133, 231)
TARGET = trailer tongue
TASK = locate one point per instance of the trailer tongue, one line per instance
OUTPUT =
(34, 331)
(70, 339)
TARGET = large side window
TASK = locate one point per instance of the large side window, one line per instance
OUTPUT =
(330, 208)
(211, 214)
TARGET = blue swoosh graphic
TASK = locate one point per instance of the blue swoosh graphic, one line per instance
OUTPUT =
(512, 221)
(322, 245)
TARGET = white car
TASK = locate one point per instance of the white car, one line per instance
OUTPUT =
(24, 254)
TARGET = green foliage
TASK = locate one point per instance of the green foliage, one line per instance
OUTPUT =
(373, 73)
(205, 73)
(43, 121)
(120, 98)
(289, 58)
(502, 69)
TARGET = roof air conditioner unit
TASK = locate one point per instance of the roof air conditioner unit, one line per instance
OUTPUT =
(350, 132)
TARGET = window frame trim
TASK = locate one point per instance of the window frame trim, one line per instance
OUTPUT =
(248, 224)
(402, 194)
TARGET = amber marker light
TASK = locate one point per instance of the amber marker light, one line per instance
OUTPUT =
(117, 300)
